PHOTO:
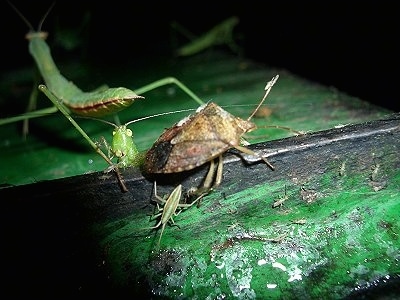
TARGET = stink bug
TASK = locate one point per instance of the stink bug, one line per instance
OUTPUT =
(200, 138)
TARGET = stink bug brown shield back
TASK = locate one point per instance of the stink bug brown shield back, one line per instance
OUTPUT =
(200, 138)
(196, 140)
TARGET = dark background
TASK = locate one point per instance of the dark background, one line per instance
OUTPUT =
(352, 46)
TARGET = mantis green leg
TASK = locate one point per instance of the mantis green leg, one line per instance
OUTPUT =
(30, 115)
(65, 112)
(165, 81)
(31, 105)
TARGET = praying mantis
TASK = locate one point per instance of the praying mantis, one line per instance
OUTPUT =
(69, 99)
(221, 33)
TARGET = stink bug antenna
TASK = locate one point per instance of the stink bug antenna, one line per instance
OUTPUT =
(267, 89)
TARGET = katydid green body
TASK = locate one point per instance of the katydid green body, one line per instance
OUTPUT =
(125, 149)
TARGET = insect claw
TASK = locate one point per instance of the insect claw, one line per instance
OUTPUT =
(110, 169)
(268, 163)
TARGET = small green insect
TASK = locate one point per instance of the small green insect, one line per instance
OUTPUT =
(170, 208)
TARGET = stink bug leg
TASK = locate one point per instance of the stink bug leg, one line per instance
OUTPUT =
(200, 138)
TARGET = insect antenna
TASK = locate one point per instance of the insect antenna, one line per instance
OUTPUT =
(26, 20)
(267, 89)
(21, 16)
(139, 119)
(97, 119)
(45, 16)
(160, 114)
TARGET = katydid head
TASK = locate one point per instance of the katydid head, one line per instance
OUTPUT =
(122, 145)
(124, 148)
